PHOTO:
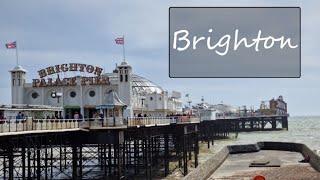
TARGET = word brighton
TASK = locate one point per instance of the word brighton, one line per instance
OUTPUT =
(224, 42)
(70, 81)
(72, 67)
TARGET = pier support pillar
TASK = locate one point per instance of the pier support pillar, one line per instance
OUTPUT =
(285, 123)
(11, 163)
(23, 156)
(38, 162)
(185, 159)
(166, 154)
(274, 124)
(74, 162)
(196, 149)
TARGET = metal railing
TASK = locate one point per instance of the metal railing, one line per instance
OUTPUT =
(149, 121)
(237, 115)
(156, 121)
(30, 124)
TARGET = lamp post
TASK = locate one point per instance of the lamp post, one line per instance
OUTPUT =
(189, 102)
(55, 94)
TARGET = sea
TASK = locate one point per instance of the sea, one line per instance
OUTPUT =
(302, 129)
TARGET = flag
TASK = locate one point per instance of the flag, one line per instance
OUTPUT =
(11, 45)
(187, 95)
(120, 40)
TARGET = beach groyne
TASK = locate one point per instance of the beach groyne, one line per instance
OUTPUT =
(204, 170)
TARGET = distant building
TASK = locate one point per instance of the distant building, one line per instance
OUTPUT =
(278, 106)
(86, 89)
(273, 107)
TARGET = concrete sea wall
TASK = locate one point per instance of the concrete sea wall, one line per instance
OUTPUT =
(204, 170)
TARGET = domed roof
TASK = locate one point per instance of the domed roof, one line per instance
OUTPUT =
(223, 108)
(140, 85)
(18, 68)
(124, 63)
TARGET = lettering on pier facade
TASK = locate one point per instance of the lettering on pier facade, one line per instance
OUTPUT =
(70, 81)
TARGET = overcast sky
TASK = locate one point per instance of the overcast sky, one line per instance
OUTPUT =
(60, 31)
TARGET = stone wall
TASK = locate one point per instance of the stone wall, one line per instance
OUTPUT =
(204, 170)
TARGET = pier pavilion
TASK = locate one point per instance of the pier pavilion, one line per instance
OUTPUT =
(84, 88)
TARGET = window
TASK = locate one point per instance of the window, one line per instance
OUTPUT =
(13, 82)
(34, 95)
(121, 77)
(92, 93)
(151, 98)
(73, 94)
(159, 98)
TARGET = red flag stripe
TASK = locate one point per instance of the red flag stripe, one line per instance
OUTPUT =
(11, 45)
(119, 40)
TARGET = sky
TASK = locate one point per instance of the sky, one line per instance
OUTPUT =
(55, 32)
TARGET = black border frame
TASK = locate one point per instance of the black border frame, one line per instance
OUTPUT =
(238, 7)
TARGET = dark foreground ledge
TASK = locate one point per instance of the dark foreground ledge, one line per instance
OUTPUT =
(204, 170)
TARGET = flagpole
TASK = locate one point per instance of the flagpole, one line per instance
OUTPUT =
(124, 54)
(17, 53)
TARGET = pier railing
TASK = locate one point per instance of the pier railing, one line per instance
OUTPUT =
(248, 115)
(30, 124)
(150, 121)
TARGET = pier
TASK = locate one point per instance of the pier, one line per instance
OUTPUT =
(112, 148)
(95, 148)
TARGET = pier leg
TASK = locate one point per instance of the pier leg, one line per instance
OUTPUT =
(109, 158)
(190, 145)
(46, 161)
(118, 161)
(138, 156)
(38, 163)
(10, 157)
(65, 157)
(74, 161)
(51, 161)
(29, 163)
(135, 157)
(285, 123)
(23, 156)
(60, 157)
(179, 151)
(274, 124)
(80, 161)
(123, 163)
(166, 154)
(185, 160)
(4, 167)
(196, 149)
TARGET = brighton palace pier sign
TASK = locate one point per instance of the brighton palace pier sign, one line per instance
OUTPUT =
(70, 81)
